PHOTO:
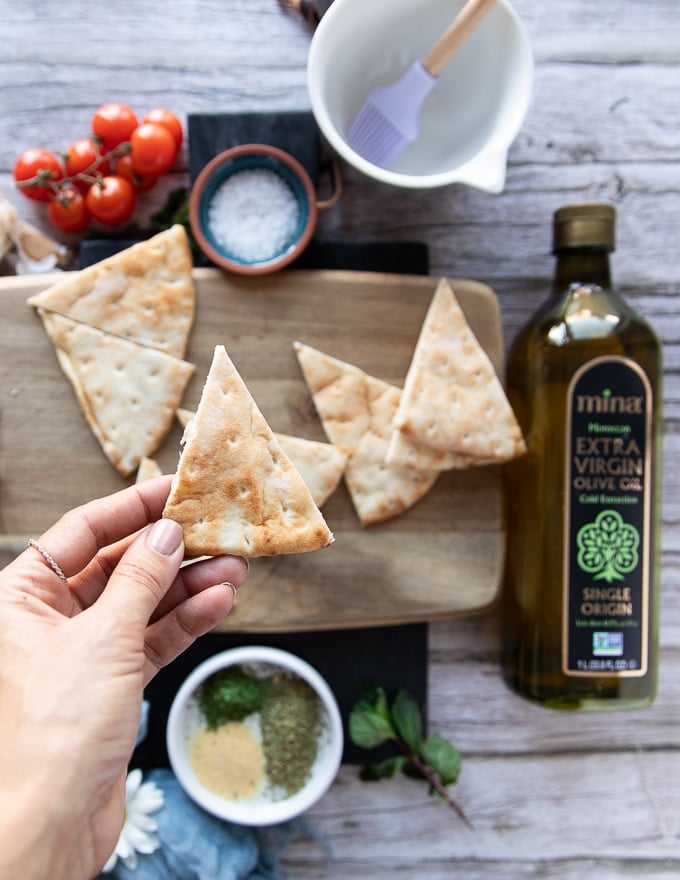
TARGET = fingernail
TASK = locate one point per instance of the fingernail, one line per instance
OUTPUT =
(233, 590)
(165, 536)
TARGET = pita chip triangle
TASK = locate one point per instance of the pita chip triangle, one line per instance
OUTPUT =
(147, 470)
(235, 490)
(321, 465)
(406, 452)
(363, 420)
(144, 293)
(453, 400)
(129, 393)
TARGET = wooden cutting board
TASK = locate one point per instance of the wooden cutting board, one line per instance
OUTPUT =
(441, 558)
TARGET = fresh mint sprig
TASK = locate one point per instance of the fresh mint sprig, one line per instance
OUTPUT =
(373, 722)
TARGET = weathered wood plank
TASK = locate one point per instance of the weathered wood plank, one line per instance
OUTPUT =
(479, 869)
(518, 807)
(629, 31)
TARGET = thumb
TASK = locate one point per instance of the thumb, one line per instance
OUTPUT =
(144, 573)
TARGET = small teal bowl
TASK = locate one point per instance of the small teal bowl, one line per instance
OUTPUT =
(249, 157)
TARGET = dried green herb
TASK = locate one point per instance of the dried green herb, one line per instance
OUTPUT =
(231, 695)
(291, 718)
(373, 722)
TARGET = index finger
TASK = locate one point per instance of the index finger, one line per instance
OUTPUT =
(75, 538)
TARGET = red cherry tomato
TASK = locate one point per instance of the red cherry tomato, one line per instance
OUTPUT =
(85, 156)
(153, 149)
(41, 165)
(67, 210)
(140, 182)
(168, 120)
(111, 201)
(114, 123)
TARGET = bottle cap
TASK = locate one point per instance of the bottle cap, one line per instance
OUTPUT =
(585, 224)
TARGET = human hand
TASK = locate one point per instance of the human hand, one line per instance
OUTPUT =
(74, 660)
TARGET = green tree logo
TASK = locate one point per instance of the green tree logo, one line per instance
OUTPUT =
(608, 547)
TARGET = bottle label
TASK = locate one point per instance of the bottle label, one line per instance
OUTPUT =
(607, 520)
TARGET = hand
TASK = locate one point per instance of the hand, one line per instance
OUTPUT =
(74, 660)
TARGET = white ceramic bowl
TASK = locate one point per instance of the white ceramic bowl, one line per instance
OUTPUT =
(470, 118)
(184, 721)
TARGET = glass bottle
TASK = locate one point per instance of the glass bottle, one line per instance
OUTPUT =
(581, 584)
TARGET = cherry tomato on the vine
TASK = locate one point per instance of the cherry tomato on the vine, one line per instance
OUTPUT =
(41, 165)
(114, 123)
(85, 155)
(153, 149)
(111, 201)
(140, 182)
(168, 120)
(67, 210)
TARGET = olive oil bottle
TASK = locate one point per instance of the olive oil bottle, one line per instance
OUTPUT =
(581, 585)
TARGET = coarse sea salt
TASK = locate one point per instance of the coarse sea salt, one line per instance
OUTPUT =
(253, 215)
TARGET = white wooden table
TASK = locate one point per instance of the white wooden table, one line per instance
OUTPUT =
(548, 795)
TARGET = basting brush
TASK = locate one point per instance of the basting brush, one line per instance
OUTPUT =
(389, 120)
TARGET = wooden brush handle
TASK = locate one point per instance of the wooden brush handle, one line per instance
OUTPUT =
(464, 23)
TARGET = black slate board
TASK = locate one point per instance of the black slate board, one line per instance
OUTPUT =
(349, 660)
(393, 657)
(295, 132)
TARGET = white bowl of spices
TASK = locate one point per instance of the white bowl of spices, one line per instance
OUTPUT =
(253, 209)
(254, 735)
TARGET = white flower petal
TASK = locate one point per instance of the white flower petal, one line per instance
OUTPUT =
(111, 864)
(147, 799)
(130, 861)
(137, 837)
(124, 846)
(132, 783)
(142, 821)
(138, 832)
(146, 843)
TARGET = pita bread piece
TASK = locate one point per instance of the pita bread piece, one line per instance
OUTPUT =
(453, 400)
(147, 470)
(403, 451)
(321, 465)
(129, 393)
(381, 491)
(378, 491)
(340, 395)
(144, 293)
(236, 491)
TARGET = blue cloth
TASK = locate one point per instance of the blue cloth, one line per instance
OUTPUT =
(198, 846)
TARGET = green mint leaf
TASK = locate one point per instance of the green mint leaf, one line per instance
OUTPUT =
(384, 770)
(408, 720)
(174, 210)
(442, 757)
(369, 720)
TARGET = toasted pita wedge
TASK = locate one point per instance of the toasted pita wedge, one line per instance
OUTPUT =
(453, 400)
(144, 293)
(321, 465)
(236, 491)
(363, 421)
(340, 395)
(184, 416)
(147, 470)
(129, 393)
(402, 451)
